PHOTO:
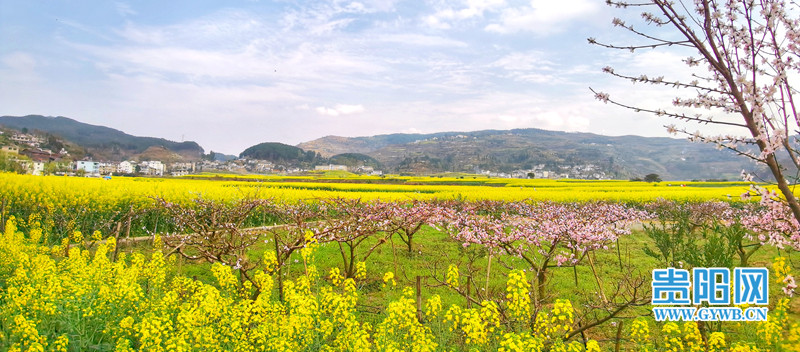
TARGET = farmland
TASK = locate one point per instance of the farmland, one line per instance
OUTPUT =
(377, 263)
(87, 204)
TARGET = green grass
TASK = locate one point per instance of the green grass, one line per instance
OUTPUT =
(434, 251)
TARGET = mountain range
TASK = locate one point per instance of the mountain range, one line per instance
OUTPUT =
(524, 149)
(104, 143)
(619, 157)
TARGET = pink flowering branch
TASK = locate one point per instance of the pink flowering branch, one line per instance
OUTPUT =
(746, 52)
(545, 235)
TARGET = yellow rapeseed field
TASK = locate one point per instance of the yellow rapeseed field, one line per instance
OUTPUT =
(94, 193)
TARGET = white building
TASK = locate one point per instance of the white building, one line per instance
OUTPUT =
(152, 168)
(330, 167)
(35, 168)
(126, 167)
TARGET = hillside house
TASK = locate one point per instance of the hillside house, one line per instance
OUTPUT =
(10, 149)
(37, 154)
(27, 139)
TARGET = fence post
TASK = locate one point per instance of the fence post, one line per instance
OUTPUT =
(116, 238)
(3, 216)
(419, 299)
(619, 334)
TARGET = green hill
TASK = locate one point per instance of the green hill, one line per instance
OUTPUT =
(279, 153)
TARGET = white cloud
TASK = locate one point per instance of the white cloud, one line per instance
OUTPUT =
(340, 109)
(125, 9)
(278, 71)
(531, 66)
(17, 70)
(445, 17)
(422, 40)
(524, 61)
(19, 61)
(543, 17)
(234, 47)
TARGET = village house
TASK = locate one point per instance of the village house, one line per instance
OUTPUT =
(92, 168)
(181, 169)
(35, 168)
(126, 167)
(152, 168)
(330, 167)
(107, 168)
(37, 154)
(27, 139)
(10, 149)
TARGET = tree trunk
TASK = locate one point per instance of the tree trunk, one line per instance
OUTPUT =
(791, 200)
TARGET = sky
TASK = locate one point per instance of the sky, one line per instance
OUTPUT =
(231, 74)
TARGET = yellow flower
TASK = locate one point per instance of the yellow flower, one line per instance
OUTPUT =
(522, 342)
(361, 271)
(388, 280)
(692, 338)
(452, 276)
(640, 331)
(270, 262)
(563, 317)
(592, 346)
(126, 323)
(61, 344)
(518, 295)
(433, 306)
(780, 269)
(673, 341)
(335, 276)
(716, 342)
(77, 237)
(792, 342)
(224, 275)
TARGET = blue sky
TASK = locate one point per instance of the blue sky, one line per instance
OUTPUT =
(230, 74)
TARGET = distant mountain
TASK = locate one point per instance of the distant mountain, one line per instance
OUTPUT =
(103, 142)
(222, 157)
(524, 149)
(354, 160)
